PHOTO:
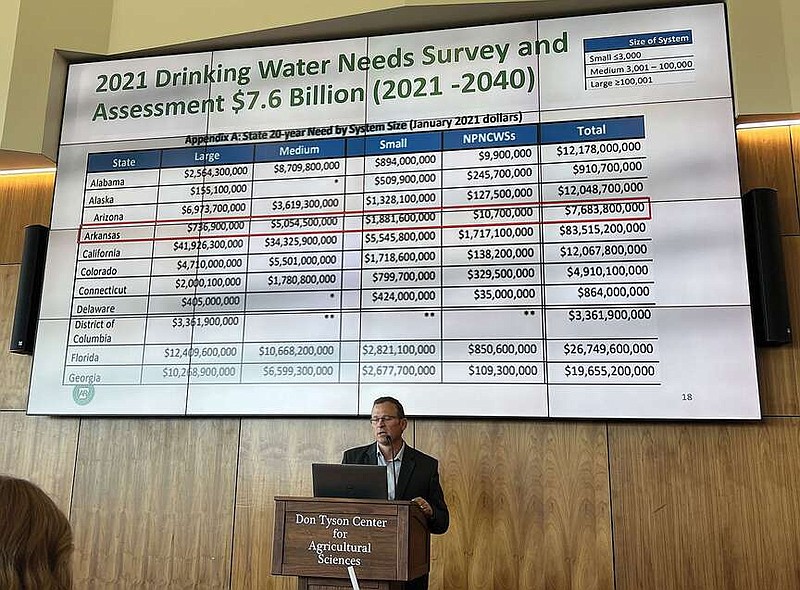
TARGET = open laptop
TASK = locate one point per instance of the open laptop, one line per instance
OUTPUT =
(363, 482)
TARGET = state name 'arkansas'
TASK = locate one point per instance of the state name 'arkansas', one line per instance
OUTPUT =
(99, 236)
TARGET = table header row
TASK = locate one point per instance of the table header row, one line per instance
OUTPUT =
(373, 145)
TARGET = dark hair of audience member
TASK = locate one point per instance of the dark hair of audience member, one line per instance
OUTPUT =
(35, 539)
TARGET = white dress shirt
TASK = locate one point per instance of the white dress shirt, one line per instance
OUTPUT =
(392, 468)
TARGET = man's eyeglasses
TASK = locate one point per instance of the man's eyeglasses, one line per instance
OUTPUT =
(379, 419)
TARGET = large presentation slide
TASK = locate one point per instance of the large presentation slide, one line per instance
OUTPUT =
(536, 219)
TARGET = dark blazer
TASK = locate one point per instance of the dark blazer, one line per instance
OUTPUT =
(419, 476)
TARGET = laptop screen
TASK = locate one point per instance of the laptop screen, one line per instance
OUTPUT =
(364, 482)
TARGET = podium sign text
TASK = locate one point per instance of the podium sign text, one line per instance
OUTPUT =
(322, 538)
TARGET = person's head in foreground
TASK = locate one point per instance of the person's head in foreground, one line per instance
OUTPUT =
(35, 539)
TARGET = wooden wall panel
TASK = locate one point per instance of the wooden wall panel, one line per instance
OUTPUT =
(153, 503)
(709, 506)
(765, 160)
(24, 200)
(15, 369)
(41, 450)
(779, 367)
(529, 505)
(275, 460)
(771, 157)
(794, 131)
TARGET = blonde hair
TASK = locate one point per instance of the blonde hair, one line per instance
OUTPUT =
(35, 539)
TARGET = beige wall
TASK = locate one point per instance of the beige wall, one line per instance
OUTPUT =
(9, 13)
(790, 12)
(758, 57)
(180, 21)
(43, 27)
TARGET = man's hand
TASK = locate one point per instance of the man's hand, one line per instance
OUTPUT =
(424, 506)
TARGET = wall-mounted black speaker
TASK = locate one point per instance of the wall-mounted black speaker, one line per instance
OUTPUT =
(29, 289)
(768, 296)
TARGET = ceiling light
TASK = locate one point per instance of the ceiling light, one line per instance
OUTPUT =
(760, 124)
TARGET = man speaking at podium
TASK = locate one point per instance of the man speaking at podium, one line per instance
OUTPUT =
(411, 474)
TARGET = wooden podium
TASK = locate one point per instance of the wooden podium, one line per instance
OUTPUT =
(317, 539)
